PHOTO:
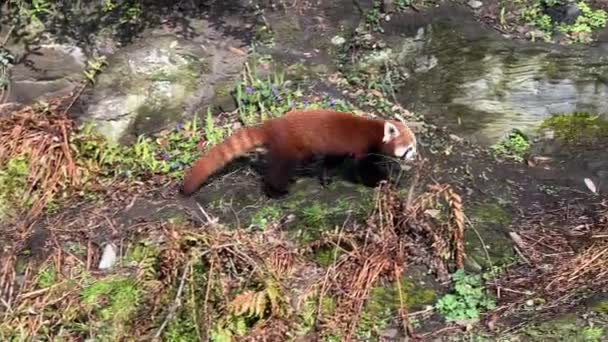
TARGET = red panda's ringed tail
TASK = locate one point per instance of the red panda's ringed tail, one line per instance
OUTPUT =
(239, 143)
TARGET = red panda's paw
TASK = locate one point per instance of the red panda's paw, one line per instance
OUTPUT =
(274, 192)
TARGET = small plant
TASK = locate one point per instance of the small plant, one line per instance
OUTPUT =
(168, 154)
(35, 10)
(372, 18)
(259, 100)
(514, 147)
(265, 216)
(468, 301)
(402, 4)
(94, 67)
(213, 134)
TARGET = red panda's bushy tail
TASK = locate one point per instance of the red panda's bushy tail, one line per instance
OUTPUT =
(239, 143)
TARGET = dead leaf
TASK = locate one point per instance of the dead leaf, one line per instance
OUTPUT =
(237, 51)
(376, 93)
(590, 185)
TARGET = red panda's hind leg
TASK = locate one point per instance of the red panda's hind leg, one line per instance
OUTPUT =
(277, 177)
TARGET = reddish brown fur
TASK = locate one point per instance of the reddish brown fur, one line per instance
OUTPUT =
(296, 136)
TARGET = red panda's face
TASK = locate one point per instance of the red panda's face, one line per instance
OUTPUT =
(399, 141)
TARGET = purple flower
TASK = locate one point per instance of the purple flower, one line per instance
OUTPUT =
(275, 92)
(248, 90)
(305, 103)
(332, 102)
(179, 126)
(165, 156)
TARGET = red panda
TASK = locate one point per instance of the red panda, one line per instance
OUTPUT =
(301, 135)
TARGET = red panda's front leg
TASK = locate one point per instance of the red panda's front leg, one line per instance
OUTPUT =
(278, 175)
(329, 164)
(370, 171)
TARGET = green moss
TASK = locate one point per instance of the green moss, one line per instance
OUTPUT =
(186, 74)
(385, 301)
(492, 213)
(491, 220)
(47, 277)
(113, 301)
(177, 218)
(223, 97)
(600, 306)
(13, 186)
(155, 114)
(141, 252)
(325, 256)
(577, 128)
(567, 327)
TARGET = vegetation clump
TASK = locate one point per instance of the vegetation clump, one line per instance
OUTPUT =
(580, 30)
(577, 128)
(468, 301)
(515, 146)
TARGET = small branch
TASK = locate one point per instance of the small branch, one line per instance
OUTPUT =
(176, 303)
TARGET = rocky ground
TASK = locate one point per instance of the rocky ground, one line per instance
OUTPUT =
(101, 246)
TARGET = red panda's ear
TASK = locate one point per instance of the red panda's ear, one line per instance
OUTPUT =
(390, 132)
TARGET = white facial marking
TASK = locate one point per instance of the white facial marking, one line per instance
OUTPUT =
(411, 153)
(390, 132)
(408, 151)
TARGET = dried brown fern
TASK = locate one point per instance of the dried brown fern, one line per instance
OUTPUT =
(42, 138)
(457, 221)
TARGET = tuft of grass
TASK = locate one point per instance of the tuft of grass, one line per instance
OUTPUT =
(213, 134)
(315, 215)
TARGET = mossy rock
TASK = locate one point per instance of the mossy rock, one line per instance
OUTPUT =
(491, 221)
(385, 300)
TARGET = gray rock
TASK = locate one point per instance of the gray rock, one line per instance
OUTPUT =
(390, 333)
(52, 70)
(600, 163)
(162, 79)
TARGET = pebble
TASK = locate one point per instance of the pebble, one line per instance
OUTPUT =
(338, 40)
(475, 4)
(108, 257)
(456, 138)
